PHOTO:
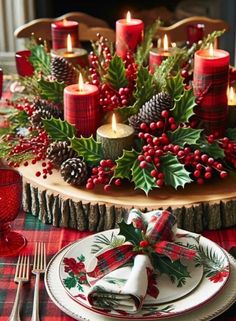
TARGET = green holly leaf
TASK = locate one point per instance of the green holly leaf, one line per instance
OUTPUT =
(142, 177)
(59, 129)
(19, 119)
(116, 73)
(182, 136)
(183, 108)
(40, 60)
(124, 164)
(214, 150)
(175, 173)
(144, 91)
(175, 86)
(4, 149)
(231, 133)
(70, 282)
(51, 90)
(130, 233)
(176, 271)
(88, 148)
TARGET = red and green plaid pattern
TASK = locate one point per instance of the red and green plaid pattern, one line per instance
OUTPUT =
(174, 251)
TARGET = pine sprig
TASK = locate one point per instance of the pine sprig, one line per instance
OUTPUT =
(116, 73)
(210, 38)
(40, 59)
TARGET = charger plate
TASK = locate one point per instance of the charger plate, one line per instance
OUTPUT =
(203, 310)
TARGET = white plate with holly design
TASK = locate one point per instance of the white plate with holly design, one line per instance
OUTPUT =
(202, 285)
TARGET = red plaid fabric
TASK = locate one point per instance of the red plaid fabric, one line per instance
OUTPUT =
(174, 251)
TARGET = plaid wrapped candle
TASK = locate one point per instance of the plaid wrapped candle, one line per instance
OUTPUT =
(60, 31)
(210, 81)
(158, 228)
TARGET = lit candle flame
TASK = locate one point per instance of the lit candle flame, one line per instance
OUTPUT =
(69, 43)
(231, 95)
(64, 21)
(165, 43)
(128, 17)
(80, 83)
(113, 123)
(211, 50)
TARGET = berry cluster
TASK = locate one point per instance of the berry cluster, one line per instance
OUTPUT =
(103, 174)
(229, 148)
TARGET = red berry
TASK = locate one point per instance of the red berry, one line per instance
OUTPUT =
(160, 124)
(144, 243)
(207, 175)
(153, 126)
(143, 164)
(223, 174)
(107, 187)
(118, 182)
(154, 173)
(38, 173)
(90, 185)
(160, 182)
(197, 173)
(165, 113)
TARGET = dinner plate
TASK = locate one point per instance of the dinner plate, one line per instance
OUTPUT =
(205, 312)
(81, 256)
(72, 275)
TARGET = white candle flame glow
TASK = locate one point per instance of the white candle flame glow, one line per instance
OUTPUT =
(80, 83)
(165, 43)
(231, 95)
(128, 17)
(113, 123)
(69, 43)
(64, 22)
(211, 50)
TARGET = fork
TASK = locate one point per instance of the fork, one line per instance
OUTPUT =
(21, 276)
(39, 266)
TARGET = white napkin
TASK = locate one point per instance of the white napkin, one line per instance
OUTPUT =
(123, 289)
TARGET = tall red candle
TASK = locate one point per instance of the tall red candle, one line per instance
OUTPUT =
(210, 81)
(81, 108)
(60, 30)
(129, 33)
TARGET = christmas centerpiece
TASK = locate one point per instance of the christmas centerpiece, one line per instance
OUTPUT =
(157, 138)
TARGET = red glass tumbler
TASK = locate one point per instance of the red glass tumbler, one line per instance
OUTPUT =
(10, 203)
(23, 65)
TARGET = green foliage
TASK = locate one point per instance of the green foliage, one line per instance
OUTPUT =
(182, 136)
(70, 282)
(124, 164)
(59, 129)
(210, 38)
(40, 59)
(214, 150)
(4, 149)
(142, 178)
(130, 233)
(145, 46)
(183, 108)
(144, 91)
(175, 86)
(51, 90)
(88, 148)
(175, 173)
(231, 133)
(116, 73)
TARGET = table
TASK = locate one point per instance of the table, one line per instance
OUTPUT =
(56, 238)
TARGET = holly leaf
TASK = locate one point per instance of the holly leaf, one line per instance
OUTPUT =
(130, 233)
(144, 91)
(124, 164)
(183, 108)
(231, 133)
(88, 148)
(182, 136)
(214, 150)
(176, 271)
(19, 119)
(175, 173)
(40, 60)
(59, 129)
(70, 282)
(116, 73)
(175, 86)
(4, 149)
(142, 178)
(51, 90)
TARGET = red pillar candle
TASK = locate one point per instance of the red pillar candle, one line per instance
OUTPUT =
(60, 30)
(210, 81)
(81, 107)
(157, 55)
(129, 33)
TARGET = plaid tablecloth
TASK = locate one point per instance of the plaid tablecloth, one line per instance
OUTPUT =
(55, 239)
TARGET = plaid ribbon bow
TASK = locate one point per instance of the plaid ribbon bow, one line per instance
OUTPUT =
(159, 232)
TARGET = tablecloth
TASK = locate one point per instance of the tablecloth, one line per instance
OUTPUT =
(56, 238)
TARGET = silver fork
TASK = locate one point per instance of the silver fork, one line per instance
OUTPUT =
(21, 276)
(39, 267)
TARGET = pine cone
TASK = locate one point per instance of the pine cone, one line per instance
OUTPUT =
(63, 71)
(74, 171)
(60, 151)
(44, 110)
(151, 110)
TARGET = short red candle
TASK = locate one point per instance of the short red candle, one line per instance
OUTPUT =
(23, 65)
(81, 108)
(210, 81)
(60, 30)
(195, 32)
(129, 33)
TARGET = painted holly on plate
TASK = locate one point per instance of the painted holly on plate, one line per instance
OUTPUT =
(197, 282)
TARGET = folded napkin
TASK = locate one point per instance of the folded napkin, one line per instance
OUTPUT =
(125, 273)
